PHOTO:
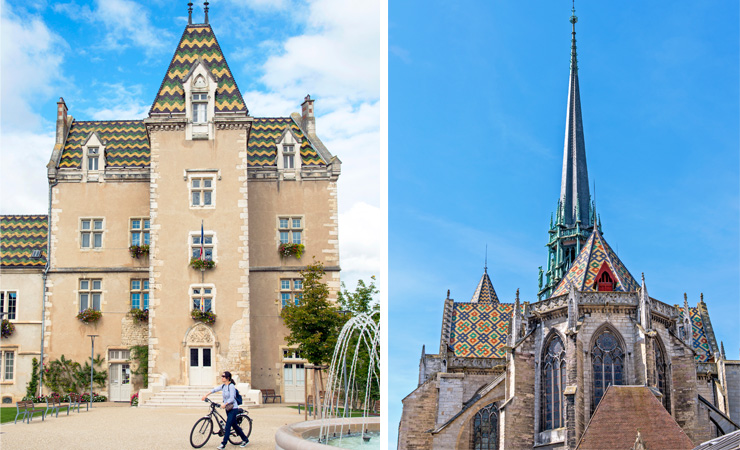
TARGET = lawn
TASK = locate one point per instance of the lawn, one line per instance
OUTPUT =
(7, 413)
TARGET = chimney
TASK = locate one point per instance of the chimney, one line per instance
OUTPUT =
(308, 121)
(61, 121)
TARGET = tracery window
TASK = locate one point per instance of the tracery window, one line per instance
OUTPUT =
(485, 428)
(608, 365)
(553, 384)
(661, 370)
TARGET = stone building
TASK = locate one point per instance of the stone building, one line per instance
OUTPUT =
(196, 210)
(525, 375)
(23, 242)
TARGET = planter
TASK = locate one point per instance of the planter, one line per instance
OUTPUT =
(141, 315)
(139, 250)
(89, 316)
(206, 317)
(291, 250)
(202, 264)
(7, 328)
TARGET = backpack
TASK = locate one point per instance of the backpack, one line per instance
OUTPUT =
(237, 395)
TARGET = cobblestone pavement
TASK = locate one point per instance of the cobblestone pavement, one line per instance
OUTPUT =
(121, 428)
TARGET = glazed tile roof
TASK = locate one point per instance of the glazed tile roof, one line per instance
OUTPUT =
(262, 148)
(485, 293)
(621, 414)
(700, 342)
(582, 274)
(126, 143)
(197, 42)
(19, 237)
(479, 330)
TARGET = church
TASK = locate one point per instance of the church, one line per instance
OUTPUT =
(184, 233)
(584, 364)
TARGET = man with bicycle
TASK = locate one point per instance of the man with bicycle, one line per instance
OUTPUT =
(232, 410)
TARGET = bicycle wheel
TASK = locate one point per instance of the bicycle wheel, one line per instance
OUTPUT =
(245, 422)
(201, 432)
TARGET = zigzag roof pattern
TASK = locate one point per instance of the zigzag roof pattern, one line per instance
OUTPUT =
(485, 293)
(262, 147)
(582, 274)
(480, 330)
(19, 237)
(700, 342)
(198, 42)
(126, 143)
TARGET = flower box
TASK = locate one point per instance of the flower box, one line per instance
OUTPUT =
(206, 317)
(141, 315)
(291, 250)
(202, 264)
(138, 250)
(7, 328)
(89, 316)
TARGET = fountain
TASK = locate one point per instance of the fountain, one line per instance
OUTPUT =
(357, 348)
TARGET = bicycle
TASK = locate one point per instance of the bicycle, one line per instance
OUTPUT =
(203, 428)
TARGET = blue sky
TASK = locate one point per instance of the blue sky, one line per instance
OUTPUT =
(477, 100)
(107, 59)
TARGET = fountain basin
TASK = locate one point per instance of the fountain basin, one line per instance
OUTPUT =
(302, 435)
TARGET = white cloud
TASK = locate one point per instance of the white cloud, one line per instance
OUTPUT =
(31, 64)
(119, 102)
(125, 23)
(359, 243)
(23, 184)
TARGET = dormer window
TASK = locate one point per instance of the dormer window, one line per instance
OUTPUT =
(200, 108)
(288, 157)
(92, 158)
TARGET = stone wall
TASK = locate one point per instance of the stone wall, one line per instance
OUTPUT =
(732, 375)
(518, 410)
(459, 433)
(418, 418)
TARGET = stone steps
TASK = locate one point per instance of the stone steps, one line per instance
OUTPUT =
(185, 397)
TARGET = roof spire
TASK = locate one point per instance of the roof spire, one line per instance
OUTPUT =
(205, 8)
(190, 13)
(573, 55)
(485, 264)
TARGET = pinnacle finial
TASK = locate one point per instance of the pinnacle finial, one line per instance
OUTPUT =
(573, 55)
(190, 13)
(643, 277)
(448, 294)
(701, 297)
(485, 264)
(517, 294)
(205, 9)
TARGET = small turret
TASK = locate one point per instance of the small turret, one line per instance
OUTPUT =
(687, 328)
(645, 317)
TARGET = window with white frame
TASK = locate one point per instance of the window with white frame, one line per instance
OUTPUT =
(8, 304)
(208, 246)
(202, 297)
(291, 353)
(140, 293)
(289, 156)
(200, 107)
(291, 230)
(93, 154)
(8, 362)
(119, 354)
(201, 191)
(291, 291)
(140, 231)
(91, 233)
(91, 292)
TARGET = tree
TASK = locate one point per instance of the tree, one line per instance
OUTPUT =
(314, 324)
(360, 301)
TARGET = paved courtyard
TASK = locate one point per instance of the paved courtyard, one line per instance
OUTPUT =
(118, 426)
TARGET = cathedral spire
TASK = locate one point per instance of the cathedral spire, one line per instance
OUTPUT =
(574, 189)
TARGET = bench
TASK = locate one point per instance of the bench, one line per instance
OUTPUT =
(27, 409)
(270, 393)
(54, 404)
(75, 401)
(310, 405)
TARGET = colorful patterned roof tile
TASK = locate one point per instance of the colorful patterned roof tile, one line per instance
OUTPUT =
(582, 274)
(262, 148)
(479, 330)
(700, 342)
(19, 237)
(485, 293)
(197, 42)
(126, 143)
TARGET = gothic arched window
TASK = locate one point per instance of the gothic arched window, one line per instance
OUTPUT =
(661, 371)
(485, 428)
(553, 384)
(608, 364)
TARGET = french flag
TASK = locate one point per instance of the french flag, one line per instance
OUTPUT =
(202, 241)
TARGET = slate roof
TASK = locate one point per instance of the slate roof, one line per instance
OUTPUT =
(197, 42)
(262, 148)
(621, 414)
(19, 237)
(700, 341)
(485, 293)
(730, 441)
(582, 274)
(126, 143)
(479, 330)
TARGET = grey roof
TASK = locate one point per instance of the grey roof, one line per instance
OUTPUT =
(730, 441)
(574, 192)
